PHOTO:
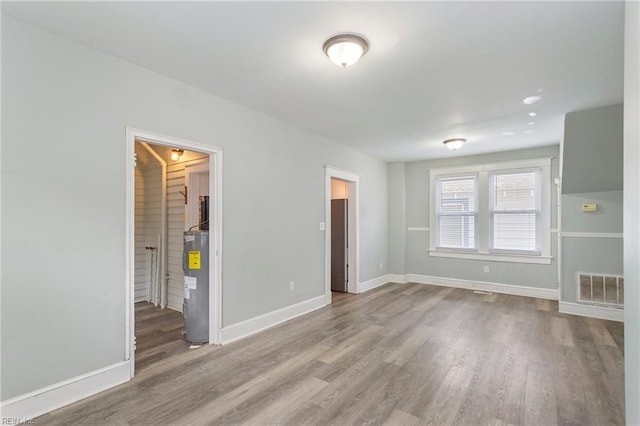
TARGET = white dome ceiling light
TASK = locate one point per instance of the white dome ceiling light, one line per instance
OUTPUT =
(345, 49)
(454, 144)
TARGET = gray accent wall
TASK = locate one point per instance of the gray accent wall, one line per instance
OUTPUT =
(592, 153)
(65, 108)
(591, 173)
(418, 261)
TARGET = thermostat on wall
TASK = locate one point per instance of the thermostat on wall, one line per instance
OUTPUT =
(591, 207)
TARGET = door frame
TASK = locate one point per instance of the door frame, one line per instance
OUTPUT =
(215, 252)
(353, 229)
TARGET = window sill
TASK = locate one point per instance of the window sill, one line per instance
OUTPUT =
(541, 260)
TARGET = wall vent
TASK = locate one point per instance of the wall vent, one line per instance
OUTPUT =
(600, 289)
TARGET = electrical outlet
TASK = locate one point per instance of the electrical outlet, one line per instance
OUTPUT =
(292, 285)
(486, 269)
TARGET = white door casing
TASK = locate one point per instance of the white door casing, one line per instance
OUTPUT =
(215, 227)
(353, 230)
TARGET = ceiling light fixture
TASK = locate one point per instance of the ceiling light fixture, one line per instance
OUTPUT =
(532, 114)
(454, 144)
(531, 99)
(176, 154)
(345, 49)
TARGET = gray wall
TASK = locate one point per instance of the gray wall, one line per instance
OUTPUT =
(591, 173)
(418, 261)
(63, 218)
(397, 217)
(592, 152)
(632, 211)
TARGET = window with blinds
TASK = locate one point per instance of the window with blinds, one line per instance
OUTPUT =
(457, 212)
(515, 212)
(492, 211)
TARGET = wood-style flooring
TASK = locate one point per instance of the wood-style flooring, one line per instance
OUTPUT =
(158, 334)
(402, 354)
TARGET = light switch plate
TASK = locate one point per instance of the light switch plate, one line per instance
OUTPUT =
(590, 207)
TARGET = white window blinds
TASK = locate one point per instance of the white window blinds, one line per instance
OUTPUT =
(515, 211)
(457, 212)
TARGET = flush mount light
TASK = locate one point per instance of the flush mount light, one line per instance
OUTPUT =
(176, 154)
(454, 144)
(532, 114)
(345, 49)
(531, 99)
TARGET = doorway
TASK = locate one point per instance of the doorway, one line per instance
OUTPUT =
(174, 189)
(341, 239)
(339, 236)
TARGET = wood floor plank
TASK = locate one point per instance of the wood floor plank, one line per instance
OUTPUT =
(401, 354)
(400, 418)
(229, 401)
(350, 344)
(429, 302)
(560, 332)
(543, 305)
(414, 340)
(504, 328)
(158, 334)
(599, 332)
(298, 396)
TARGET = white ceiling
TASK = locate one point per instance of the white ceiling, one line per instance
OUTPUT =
(434, 70)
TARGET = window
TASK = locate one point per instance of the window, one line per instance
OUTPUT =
(457, 212)
(492, 211)
(515, 212)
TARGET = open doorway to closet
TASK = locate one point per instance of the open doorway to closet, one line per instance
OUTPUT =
(174, 256)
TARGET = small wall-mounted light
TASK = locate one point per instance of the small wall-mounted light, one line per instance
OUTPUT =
(454, 143)
(176, 154)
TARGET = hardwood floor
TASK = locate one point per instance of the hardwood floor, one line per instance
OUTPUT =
(158, 334)
(407, 354)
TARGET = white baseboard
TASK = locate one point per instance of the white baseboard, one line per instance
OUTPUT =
(42, 401)
(374, 283)
(397, 278)
(517, 290)
(254, 325)
(591, 311)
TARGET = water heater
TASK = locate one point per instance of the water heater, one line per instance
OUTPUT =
(195, 307)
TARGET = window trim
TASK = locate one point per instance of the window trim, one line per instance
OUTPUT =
(483, 170)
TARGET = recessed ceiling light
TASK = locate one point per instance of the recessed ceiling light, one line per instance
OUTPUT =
(528, 131)
(508, 133)
(531, 99)
(531, 123)
(532, 114)
(455, 143)
(345, 49)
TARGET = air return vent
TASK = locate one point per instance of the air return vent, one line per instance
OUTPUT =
(600, 289)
